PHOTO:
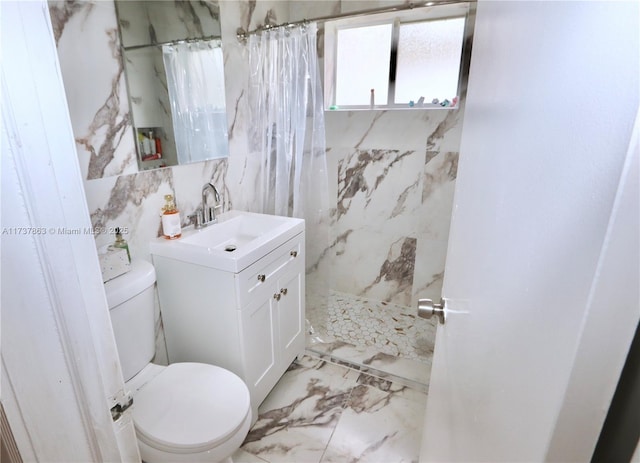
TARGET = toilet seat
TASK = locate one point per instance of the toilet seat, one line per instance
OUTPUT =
(190, 407)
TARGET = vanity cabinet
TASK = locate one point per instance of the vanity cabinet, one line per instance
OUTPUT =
(250, 322)
(271, 328)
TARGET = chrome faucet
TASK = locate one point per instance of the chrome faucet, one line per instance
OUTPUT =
(207, 214)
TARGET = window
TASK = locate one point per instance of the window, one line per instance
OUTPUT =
(359, 65)
(429, 60)
(395, 60)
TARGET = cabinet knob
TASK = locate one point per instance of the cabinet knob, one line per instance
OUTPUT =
(261, 277)
(294, 253)
(284, 291)
(277, 296)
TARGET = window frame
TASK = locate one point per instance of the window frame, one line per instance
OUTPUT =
(464, 10)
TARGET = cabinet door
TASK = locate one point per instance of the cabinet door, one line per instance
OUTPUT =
(259, 348)
(290, 316)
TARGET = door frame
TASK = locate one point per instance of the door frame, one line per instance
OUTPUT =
(58, 347)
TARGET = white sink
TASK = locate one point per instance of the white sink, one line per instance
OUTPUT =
(236, 241)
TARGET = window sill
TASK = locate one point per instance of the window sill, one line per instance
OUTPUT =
(390, 108)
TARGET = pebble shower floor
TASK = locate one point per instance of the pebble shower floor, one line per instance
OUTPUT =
(387, 328)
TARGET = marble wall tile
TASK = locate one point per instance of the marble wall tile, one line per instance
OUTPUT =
(148, 21)
(244, 169)
(391, 195)
(390, 129)
(402, 190)
(100, 110)
(429, 270)
(132, 202)
(377, 226)
(434, 215)
(335, 157)
(350, 6)
(308, 9)
(189, 180)
(320, 272)
(379, 190)
(445, 136)
(367, 264)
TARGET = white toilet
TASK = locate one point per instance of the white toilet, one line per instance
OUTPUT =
(186, 412)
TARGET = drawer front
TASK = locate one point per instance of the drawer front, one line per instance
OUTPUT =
(256, 279)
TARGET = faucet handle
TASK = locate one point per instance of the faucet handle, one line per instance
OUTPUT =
(197, 218)
(210, 215)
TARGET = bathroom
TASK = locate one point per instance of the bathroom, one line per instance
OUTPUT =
(121, 196)
(409, 233)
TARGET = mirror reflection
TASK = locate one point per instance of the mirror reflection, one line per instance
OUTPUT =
(175, 79)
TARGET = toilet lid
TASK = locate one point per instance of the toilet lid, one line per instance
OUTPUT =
(190, 407)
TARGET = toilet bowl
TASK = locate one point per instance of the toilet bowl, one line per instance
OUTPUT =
(184, 412)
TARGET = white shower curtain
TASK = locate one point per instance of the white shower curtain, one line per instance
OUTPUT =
(195, 81)
(285, 98)
(288, 136)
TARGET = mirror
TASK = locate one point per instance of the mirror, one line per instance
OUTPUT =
(169, 114)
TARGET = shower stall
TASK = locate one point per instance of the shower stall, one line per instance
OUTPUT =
(375, 188)
(392, 177)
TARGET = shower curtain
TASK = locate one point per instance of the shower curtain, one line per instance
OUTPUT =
(288, 137)
(195, 80)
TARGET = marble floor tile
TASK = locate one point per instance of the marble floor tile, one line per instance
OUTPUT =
(297, 418)
(381, 423)
(240, 456)
(321, 411)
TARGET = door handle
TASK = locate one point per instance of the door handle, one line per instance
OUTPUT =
(427, 309)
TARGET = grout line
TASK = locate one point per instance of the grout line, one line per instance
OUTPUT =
(344, 407)
(333, 431)
(253, 455)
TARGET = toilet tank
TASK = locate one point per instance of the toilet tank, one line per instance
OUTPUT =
(131, 306)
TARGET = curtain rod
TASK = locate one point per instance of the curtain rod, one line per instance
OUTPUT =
(244, 35)
(173, 42)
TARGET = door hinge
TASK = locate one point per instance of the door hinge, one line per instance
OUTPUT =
(118, 409)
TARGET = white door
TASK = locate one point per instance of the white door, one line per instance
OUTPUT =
(541, 281)
(60, 369)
